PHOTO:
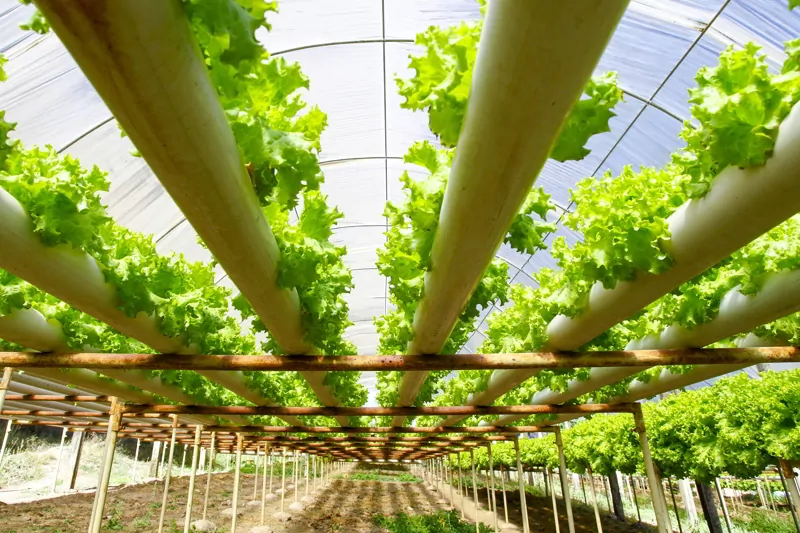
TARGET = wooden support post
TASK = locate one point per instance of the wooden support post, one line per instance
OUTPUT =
(295, 474)
(168, 474)
(267, 462)
(635, 499)
(307, 465)
(4, 383)
(183, 461)
(75, 451)
(460, 489)
(6, 433)
(521, 479)
(593, 492)
(193, 475)
(58, 461)
(724, 505)
(115, 414)
(236, 476)
(675, 505)
(491, 482)
(653, 477)
(562, 472)
(255, 483)
(450, 471)
(709, 507)
(155, 459)
(136, 460)
(549, 475)
(503, 490)
(788, 479)
(475, 490)
(211, 451)
(283, 479)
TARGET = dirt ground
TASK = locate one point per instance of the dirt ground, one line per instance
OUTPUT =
(344, 506)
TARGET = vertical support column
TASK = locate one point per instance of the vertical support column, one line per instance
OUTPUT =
(491, 483)
(211, 451)
(58, 462)
(4, 383)
(789, 481)
(136, 460)
(562, 473)
(635, 499)
(75, 451)
(593, 492)
(255, 483)
(6, 433)
(283, 479)
(115, 413)
(724, 505)
(236, 475)
(555, 502)
(460, 489)
(155, 460)
(307, 465)
(183, 461)
(163, 460)
(526, 528)
(503, 489)
(168, 474)
(653, 478)
(267, 462)
(450, 471)
(193, 475)
(475, 490)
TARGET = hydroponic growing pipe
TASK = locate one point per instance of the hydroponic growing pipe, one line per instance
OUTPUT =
(532, 64)
(741, 205)
(738, 313)
(143, 61)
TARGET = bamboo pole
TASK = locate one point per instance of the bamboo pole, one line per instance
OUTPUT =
(549, 475)
(307, 465)
(522, 499)
(168, 475)
(675, 505)
(255, 484)
(136, 460)
(105, 469)
(460, 489)
(635, 500)
(724, 505)
(295, 474)
(491, 481)
(450, 471)
(283, 479)
(562, 471)
(793, 497)
(6, 433)
(593, 492)
(236, 477)
(58, 462)
(475, 492)
(653, 478)
(7, 371)
(193, 475)
(406, 363)
(211, 451)
(267, 462)
(503, 489)
(183, 462)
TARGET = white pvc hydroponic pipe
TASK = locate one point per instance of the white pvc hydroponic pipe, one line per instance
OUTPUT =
(142, 59)
(533, 62)
(779, 297)
(741, 205)
(75, 277)
(29, 328)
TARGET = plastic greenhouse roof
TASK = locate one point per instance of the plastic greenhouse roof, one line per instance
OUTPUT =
(351, 50)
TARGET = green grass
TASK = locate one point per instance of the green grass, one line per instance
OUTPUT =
(399, 477)
(439, 522)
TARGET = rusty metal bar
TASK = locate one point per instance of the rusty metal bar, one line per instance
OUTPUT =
(133, 410)
(306, 363)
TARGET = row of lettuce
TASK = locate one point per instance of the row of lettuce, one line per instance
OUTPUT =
(278, 136)
(621, 220)
(738, 426)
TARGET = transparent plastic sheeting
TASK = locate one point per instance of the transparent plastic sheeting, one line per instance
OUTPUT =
(352, 50)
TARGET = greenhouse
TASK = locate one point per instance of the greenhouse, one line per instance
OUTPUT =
(400, 266)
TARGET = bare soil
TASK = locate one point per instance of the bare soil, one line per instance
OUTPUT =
(343, 506)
